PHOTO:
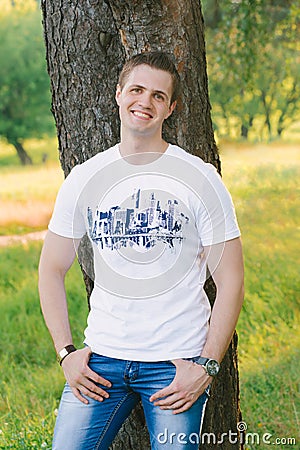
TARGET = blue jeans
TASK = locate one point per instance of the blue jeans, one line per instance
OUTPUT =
(94, 426)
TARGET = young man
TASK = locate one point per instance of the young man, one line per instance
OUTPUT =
(156, 217)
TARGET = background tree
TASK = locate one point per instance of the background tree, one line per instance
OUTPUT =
(87, 43)
(279, 91)
(253, 48)
(24, 83)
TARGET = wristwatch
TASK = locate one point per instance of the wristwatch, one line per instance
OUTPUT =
(61, 355)
(211, 366)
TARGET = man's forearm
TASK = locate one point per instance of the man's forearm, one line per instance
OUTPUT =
(226, 265)
(57, 256)
(223, 321)
(55, 310)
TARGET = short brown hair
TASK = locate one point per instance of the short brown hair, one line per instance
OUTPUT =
(157, 60)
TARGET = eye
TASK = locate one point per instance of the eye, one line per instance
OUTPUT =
(159, 97)
(136, 90)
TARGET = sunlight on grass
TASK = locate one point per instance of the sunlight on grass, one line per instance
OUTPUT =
(27, 194)
(40, 150)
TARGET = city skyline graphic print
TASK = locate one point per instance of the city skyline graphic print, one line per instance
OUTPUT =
(141, 222)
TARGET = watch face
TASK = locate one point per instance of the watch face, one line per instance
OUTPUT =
(212, 367)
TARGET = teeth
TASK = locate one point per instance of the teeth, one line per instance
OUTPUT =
(140, 114)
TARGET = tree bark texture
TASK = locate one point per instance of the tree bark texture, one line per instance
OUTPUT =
(87, 42)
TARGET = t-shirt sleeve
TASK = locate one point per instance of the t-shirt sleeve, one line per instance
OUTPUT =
(67, 220)
(217, 220)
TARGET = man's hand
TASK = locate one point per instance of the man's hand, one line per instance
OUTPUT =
(81, 378)
(189, 383)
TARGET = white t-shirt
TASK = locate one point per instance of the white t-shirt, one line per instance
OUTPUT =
(147, 224)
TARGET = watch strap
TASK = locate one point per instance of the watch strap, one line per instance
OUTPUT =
(64, 352)
(202, 361)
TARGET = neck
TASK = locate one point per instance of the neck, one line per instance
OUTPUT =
(141, 144)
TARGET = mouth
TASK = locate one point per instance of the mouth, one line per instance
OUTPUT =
(141, 115)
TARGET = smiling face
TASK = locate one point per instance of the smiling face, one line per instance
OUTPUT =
(145, 101)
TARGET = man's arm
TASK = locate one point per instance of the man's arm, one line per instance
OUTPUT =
(57, 256)
(225, 262)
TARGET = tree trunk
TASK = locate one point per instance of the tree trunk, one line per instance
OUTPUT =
(245, 127)
(267, 109)
(244, 131)
(22, 154)
(87, 43)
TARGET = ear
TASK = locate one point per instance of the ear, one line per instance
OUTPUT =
(171, 108)
(118, 93)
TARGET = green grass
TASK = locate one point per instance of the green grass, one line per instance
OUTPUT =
(264, 185)
(265, 189)
(31, 380)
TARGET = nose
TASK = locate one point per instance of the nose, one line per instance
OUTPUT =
(145, 99)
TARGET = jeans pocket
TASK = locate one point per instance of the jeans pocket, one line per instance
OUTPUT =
(207, 390)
